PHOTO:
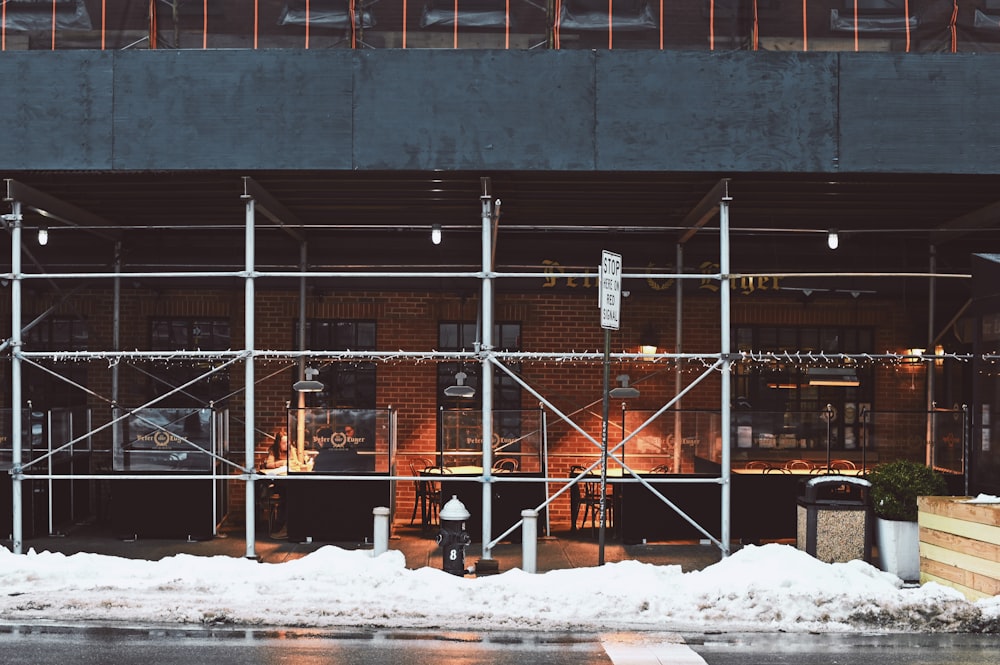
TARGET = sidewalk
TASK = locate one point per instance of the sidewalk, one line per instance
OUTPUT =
(560, 551)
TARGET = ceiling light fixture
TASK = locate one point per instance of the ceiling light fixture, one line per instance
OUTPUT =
(436, 234)
(624, 391)
(460, 389)
(833, 239)
(308, 385)
(43, 236)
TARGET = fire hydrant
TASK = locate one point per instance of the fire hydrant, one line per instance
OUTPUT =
(453, 537)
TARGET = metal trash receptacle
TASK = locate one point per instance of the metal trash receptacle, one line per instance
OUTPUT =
(834, 519)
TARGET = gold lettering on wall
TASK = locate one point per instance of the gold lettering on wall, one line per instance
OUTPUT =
(662, 285)
(553, 269)
(744, 285)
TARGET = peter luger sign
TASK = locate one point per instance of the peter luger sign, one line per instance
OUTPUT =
(742, 285)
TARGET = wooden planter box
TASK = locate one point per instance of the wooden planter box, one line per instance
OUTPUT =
(960, 545)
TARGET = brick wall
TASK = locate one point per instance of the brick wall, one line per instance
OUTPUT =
(564, 321)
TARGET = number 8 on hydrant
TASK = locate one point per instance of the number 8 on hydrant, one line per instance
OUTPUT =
(453, 537)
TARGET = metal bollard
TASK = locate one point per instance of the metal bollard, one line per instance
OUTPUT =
(529, 540)
(381, 514)
(453, 537)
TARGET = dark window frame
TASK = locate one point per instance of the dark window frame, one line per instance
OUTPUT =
(776, 399)
(201, 333)
(348, 384)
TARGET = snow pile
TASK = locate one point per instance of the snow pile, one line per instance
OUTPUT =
(767, 588)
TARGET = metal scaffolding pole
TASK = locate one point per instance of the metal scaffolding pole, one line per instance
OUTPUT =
(679, 338)
(485, 351)
(17, 527)
(116, 344)
(726, 350)
(248, 391)
(930, 367)
(300, 403)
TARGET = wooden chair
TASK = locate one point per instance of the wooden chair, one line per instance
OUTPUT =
(427, 493)
(587, 493)
(505, 465)
(843, 465)
(757, 465)
(798, 464)
(272, 507)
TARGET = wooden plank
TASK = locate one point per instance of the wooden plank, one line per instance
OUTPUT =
(970, 594)
(962, 578)
(985, 533)
(962, 560)
(980, 513)
(950, 541)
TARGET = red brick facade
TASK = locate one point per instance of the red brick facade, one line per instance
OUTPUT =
(565, 321)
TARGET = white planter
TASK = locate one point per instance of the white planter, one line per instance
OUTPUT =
(899, 548)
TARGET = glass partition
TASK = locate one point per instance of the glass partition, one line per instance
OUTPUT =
(949, 431)
(518, 440)
(65, 425)
(340, 440)
(667, 444)
(182, 440)
(33, 436)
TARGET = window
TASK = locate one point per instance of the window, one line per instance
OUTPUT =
(56, 334)
(348, 384)
(457, 434)
(775, 407)
(188, 334)
(873, 16)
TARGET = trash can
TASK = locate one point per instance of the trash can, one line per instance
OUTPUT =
(833, 520)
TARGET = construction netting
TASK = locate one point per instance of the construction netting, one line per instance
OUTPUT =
(908, 26)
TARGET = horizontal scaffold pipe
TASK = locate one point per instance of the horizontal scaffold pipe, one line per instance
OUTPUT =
(129, 275)
(594, 275)
(354, 274)
(140, 355)
(310, 476)
(444, 356)
(783, 275)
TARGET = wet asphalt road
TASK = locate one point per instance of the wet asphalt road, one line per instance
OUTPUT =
(46, 644)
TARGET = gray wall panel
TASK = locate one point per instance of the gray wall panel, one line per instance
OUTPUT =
(57, 109)
(233, 109)
(500, 110)
(446, 109)
(920, 113)
(734, 111)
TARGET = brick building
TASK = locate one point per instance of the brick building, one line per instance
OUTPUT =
(348, 141)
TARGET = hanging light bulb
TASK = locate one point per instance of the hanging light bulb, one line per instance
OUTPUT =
(436, 234)
(833, 239)
(43, 236)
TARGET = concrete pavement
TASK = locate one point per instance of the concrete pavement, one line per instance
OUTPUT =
(561, 550)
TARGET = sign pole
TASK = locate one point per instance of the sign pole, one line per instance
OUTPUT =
(604, 445)
(609, 297)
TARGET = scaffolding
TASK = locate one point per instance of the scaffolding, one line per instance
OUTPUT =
(258, 203)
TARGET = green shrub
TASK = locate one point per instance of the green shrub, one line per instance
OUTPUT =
(896, 486)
